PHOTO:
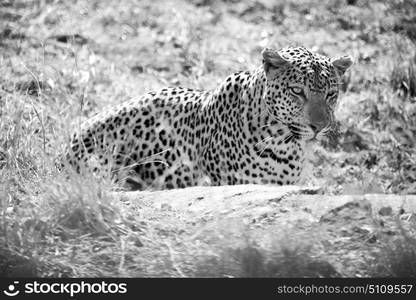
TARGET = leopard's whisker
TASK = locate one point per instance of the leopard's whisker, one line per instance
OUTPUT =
(264, 140)
(264, 148)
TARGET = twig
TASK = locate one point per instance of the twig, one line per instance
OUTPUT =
(122, 259)
(172, 258)
(34, 108)
(41, 124)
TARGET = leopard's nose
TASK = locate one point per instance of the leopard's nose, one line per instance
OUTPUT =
(318, 117)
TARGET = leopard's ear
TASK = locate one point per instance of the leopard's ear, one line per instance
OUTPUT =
(272, 61)
(341, 64)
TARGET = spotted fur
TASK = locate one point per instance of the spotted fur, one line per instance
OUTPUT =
(251, 129)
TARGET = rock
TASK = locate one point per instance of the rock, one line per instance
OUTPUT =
(385, 211)
(165, 206)
(354, 210)
(372, 239)
(343, 230)
(138, 243)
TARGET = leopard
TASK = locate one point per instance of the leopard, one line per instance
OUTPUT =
(253, 128)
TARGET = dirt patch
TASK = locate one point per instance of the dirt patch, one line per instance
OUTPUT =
(345, 231)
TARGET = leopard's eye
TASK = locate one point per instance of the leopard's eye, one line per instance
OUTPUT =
(331, 97)
(296, 90)
(331, 94)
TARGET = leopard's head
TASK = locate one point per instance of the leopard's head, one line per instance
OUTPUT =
(302, 89)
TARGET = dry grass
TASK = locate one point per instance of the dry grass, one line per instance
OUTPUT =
(62, 61)
(285, 257)
(397, 258)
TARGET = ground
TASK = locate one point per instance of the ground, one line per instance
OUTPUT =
(294, 231)
(61, 61)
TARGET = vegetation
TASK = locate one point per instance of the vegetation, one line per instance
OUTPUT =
(61, 61)
(398, 257)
